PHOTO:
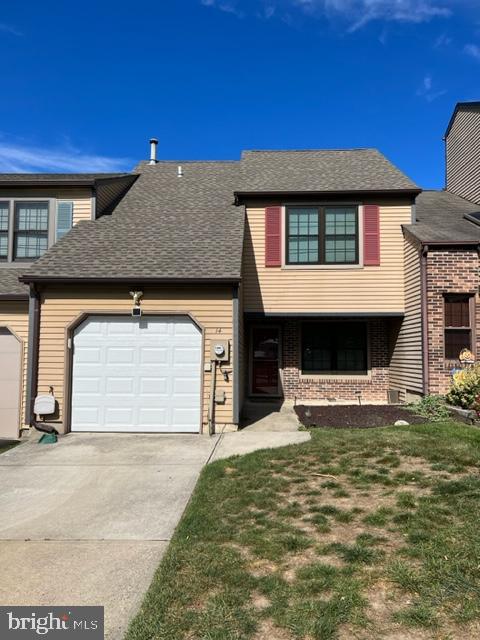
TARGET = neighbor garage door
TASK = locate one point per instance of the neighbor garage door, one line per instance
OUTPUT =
(10, 378)
(132, 374)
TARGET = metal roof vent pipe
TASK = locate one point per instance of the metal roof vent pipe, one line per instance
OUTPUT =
(179, 171)
(153, 151)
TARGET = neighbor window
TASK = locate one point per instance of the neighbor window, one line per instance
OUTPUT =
(322, 235)
(458, 324)
(4, 216)
(334, 347)
(30, 238)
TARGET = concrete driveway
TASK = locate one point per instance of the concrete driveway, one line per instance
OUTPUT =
(87, 520)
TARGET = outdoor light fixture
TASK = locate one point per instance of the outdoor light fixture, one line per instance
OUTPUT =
(136, 310)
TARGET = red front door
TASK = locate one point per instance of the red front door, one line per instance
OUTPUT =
(265, 361)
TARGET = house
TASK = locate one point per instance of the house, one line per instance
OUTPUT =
(443, 252)
(313, 276)
(36, 210)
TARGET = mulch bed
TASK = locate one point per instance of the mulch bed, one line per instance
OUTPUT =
(355, 416)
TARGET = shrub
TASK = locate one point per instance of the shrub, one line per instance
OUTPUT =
(465, 387)
(433, 408)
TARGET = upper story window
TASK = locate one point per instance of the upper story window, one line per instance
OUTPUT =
(29, 227)
(30, 236)
(322, 235)
(4, 224)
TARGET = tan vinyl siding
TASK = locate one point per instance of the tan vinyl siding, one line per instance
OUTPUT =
(80, 196)
(82, 203)
(463, 153)
(340, 289)
(406, 371)
(14, 316)
(210, 306)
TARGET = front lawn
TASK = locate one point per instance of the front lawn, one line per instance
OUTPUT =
(357, 534)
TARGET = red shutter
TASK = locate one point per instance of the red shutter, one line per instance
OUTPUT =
(371, 235)
(273, 232)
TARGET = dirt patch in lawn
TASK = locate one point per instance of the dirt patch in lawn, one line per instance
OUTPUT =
(361, 417)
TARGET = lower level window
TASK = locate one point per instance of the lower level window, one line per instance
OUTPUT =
(458, 325)
(334, 347)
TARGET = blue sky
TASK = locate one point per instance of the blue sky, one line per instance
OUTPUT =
(86, 84)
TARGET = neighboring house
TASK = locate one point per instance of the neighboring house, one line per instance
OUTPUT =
(442, 251)
(314, 270)
(36, 210)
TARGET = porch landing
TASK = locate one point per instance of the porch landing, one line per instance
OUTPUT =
(269, 415)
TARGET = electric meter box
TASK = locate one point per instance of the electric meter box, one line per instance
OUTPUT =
(220, 350)
(44, 405)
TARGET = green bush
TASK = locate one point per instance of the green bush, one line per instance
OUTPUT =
(432, 407)
(465, 387)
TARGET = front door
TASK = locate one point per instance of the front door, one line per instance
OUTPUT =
(265, 361)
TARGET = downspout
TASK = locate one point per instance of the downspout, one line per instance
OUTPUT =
(33, 348)
(211, 405)
(236, 356)
(424, 298)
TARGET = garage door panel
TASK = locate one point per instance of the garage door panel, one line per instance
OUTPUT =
(88, 354)
(149, 355)
(87, 385)
(145, 376)
(153, 417)
(119, 385)
(154, 386)
(86, 416)
(183, 416)
(186, 356)
(186, 386)
(116, 355)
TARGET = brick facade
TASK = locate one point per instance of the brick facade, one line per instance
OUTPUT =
(373, 389)
(448, 271)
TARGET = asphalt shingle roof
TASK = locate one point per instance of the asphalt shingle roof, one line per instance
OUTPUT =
(165, 227)
(9, 178)
(440, 218)
(323, 170)
(189, 227)
(9, 284)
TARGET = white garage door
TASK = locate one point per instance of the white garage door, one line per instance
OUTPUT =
(10, 376)
(132, 374)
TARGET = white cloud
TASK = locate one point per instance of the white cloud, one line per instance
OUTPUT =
(428, 90)
(357, 13)
(443, 41)
(472, 50)
(225, 6)
(17, 158)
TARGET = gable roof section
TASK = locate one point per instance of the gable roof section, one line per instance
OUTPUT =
(166, 228)
(440, 219)
(321, 171)
(461, 106)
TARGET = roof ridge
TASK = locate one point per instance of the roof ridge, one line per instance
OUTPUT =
(309, 150)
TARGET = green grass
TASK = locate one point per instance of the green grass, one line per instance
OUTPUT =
(265, 525)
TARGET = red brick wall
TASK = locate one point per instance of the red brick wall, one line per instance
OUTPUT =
(448, 271)
(372, 390)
